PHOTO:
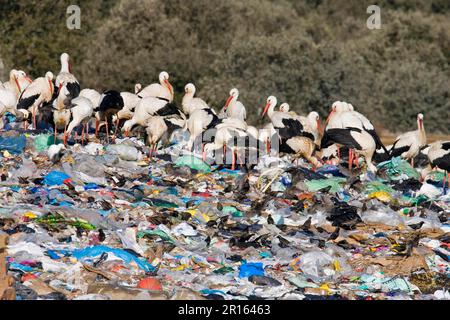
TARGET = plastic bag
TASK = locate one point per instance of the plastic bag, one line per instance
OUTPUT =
(43, 141)
(251, 269)
(193, 163)
(14, 145)
(56, 178)
(335, 184)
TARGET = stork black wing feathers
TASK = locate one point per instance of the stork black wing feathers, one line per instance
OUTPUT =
(74, 89)
(377, 139)
(446, 145)
(341, 136)
(111, 100)
(25, 103)
(168, 109)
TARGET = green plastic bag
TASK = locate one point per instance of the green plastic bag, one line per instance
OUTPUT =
(43, 141)
(233, 211)
(375, 186)
(159, 233)
(396, 167)
(193, 163)
(335, 183)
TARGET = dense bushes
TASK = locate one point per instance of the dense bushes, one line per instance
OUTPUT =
(308, 53)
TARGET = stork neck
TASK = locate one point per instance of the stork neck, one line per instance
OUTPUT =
(270, 111)
(64, 65)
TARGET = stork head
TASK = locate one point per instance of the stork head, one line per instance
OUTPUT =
(22, 75)
(49, 76)
(271, 102)
(284, 107)
(314, 118)
(164, 80)
(13, 74)
(65, 61)
(137, 88)
(189, 88)
(337, 106)
(64, 57)
(420, 121)
(234, 94)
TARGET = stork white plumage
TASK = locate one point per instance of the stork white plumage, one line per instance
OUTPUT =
(92, 95)
(82, 110)
(190, 103)
(160, 129)
(201, 120)
(38, 92)
(18, 81)
(163, 89)
(235, 108)
(66, 78)
(9, 100)
(350, 128)
(439, 157)
(147, 107)
(408, 144)
(294, 137)
(61, 114)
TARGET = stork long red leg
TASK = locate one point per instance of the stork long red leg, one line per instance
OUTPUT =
(82, 135)
(107, 132)
(97, 125)
(350, 159)
(116, 127)
(34, 119)
(233, 159)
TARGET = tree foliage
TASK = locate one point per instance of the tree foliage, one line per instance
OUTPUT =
(308, 53)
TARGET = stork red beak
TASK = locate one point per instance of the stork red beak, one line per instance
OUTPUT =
(268, 145)
(28, 79)
(318, 126)
(169, 86)
(17, 83)
(265, 109)
(203, 153)
(420, 124)
(329, 116)
(228, 102)
(51, 86)
(60, 86)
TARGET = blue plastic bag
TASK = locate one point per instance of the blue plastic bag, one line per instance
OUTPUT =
(55, 178)
(251, 269)
(13, 145)
(94, 251)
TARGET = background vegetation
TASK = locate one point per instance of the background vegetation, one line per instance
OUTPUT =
(308, 53)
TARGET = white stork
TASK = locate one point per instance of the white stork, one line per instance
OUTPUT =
(350, 128)
(294, 138)
(235, 108)
(18, 81)
(38, 92)
(82, 110)
(408, 144)
(439, 156)
(66, 78)
(162, 90)
(148, 107)
(191, 103)
(160, 129)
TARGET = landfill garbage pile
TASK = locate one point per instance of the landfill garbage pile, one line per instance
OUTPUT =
(105, 221)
